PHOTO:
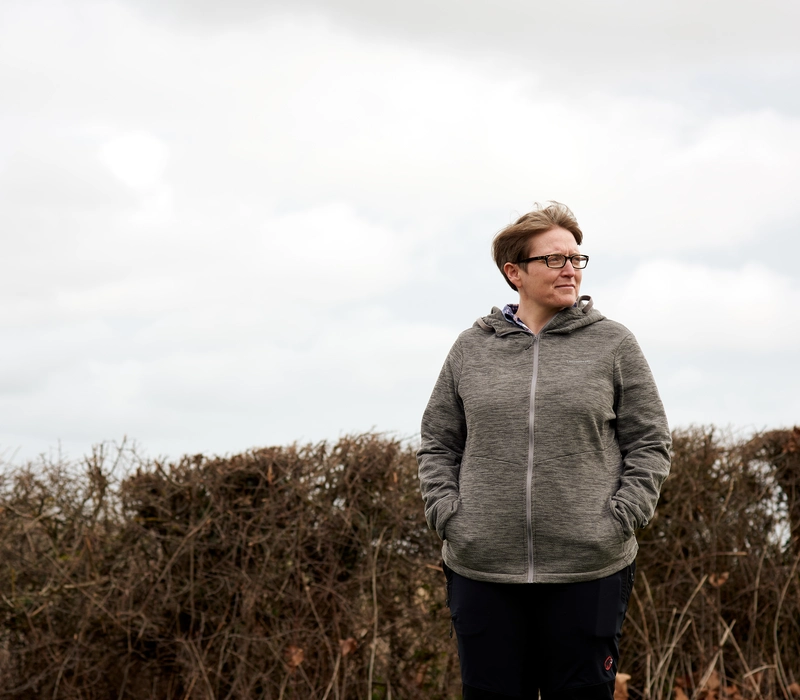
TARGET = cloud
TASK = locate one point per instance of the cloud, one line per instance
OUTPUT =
(272, 225)
(699, 308)
(241, 384)
(138, 159)
(312, 260)
(617, 33)
(716, 56)
(402, 131)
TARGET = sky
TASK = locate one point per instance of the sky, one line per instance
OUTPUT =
(231, 225)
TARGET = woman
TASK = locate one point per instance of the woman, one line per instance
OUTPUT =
(544, 447)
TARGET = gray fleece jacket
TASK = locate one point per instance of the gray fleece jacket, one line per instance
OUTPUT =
(541, 454)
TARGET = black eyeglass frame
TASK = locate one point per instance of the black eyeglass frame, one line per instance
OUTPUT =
(546, 259)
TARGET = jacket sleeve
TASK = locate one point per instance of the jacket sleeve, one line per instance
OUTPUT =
(643, 435)
(443, 437)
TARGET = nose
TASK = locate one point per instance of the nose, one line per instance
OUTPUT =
(568, 270)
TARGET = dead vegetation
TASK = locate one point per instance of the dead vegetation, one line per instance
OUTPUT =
(307, 572)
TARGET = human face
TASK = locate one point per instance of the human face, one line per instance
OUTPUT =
(548, 289)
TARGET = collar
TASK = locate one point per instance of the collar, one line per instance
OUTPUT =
(510, 312)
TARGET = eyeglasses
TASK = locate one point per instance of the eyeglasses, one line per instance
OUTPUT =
(559, 261)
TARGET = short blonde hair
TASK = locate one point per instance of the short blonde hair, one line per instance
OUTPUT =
(511, 244)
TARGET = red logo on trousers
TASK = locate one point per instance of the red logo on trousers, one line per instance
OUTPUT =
(609, 662)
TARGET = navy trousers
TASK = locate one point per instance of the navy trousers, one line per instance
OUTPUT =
(560, 639)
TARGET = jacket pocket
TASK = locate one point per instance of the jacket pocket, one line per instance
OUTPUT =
(446, 510)
(487, 532)
(576, 530)
(617, 524)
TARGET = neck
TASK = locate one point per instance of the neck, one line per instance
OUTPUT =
(533, 316)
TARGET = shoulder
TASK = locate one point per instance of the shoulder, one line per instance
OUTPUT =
(486, 326)
(604, 330)
(468, 340)
(464, 341)
(626, 349)
(614, 329)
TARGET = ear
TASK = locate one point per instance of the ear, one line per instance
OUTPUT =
(512, 272)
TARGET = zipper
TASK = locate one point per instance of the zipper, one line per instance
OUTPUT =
(529, 482)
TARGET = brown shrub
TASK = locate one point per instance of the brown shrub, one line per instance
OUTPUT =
(308, 572)
(717, 590)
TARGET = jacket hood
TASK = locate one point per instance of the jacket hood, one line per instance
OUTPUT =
(565, 321)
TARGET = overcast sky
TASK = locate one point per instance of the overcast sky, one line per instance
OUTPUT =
(230, 225)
